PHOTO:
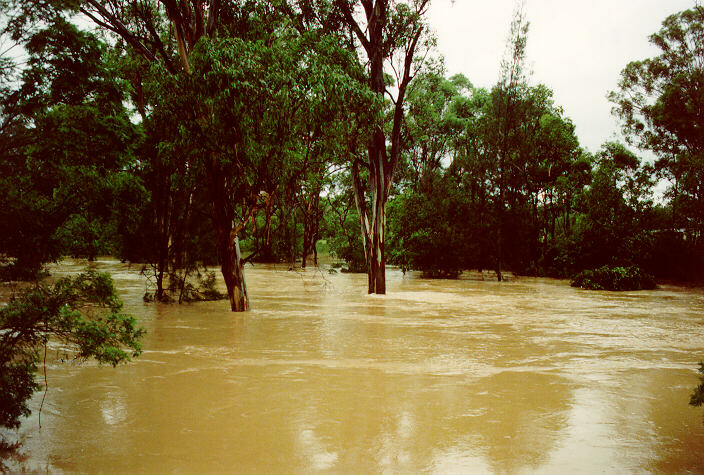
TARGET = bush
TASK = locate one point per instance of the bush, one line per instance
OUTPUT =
(697, 397)
(614, 278)
(182, 289)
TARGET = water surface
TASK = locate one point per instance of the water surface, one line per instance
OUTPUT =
(438, 376)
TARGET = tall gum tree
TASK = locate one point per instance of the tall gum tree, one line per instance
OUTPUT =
(245, 94)
(162, 33)
(505, 100)
(390, 34)
(661, 107)
(138, 24)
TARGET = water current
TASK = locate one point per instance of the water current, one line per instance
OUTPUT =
(437, 376)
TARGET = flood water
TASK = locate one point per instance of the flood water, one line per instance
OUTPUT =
(437, 376)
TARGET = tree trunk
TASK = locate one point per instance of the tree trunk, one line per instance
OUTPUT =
(381, 163)
(266, 252)
(159, 294)
(162, 257)
(536, 233)
(500, 219)
(376, 259)
(232, 271)
(374, 240)
(306, 246)
(228, 243)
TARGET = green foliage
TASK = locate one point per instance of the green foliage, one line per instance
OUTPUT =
(183, 289)
(614, 278)
(614, 228)
(431, 123)
(426, 231)
(342, 228)
(82, 312)
(660, 105)
(207, 289)
(697, 397)
(71, 134)
(18, 385)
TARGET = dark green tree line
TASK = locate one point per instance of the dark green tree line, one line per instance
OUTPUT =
(659, 102)
(68, 145)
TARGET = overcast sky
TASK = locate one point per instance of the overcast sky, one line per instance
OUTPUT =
(575, 47)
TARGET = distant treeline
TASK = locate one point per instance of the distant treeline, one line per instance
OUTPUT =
(252, 131)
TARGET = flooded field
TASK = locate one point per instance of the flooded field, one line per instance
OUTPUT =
(438, 376)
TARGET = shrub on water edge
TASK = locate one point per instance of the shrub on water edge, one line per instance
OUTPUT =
(697, 396)
(614, 278)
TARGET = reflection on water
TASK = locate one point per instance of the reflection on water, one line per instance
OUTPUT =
(439, 376)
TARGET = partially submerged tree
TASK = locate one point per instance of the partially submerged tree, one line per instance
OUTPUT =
(240, 81)
(391, 35)
(661, 106)
(505, 100)
(616, 207)
(83, 313)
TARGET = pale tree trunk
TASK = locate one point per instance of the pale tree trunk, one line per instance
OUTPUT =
(373, 231)
(237, 287)
(228, 243)
(372, 235)
(376, 258)
(381, 163)
(379, 194)
(232, 270)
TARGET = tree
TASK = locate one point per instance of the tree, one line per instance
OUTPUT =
(431, 124)
(428, 218)
(389, 33)
(616, 208)
(82, 312)
(70, 139)
(504, 99)
(661, 106)
(236, 64)
(429, 228)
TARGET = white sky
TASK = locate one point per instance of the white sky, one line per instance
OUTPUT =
(575, 47)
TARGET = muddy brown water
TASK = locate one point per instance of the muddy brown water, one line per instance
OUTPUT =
(437, 376)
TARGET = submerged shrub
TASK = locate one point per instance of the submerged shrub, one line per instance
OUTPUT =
(614, 278)
(697, 397)
(82, 312)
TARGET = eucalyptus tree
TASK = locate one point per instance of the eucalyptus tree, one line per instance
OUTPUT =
(504, 100)
(69, 143)
(473, 164)
(537, 192)
(428, 218)
(661, 106)
(431, 126)
(554, 174)
(390, 36)
(239, 78)
(261, 99)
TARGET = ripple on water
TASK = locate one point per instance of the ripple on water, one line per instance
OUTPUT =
(466, 375)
